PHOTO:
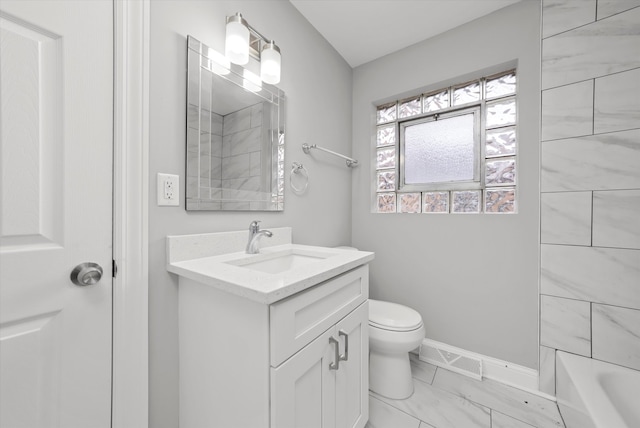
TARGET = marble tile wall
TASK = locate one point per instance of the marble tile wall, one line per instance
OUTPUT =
(241, 152)
(616, 219)
(590, 183)
(565, 324)
(611, 7)
(596, 162)
(567, 111)
(615, 335)
(617, 98)
(602, 47)
(593, 274)
(566, 218)
(204, 145)
(548, 370)
(563, 15)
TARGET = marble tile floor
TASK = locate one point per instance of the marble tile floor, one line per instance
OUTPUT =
(444, 399)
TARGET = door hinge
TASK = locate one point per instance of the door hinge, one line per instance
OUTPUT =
(114, 268)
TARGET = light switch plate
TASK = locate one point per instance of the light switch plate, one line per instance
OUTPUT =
(168, 190)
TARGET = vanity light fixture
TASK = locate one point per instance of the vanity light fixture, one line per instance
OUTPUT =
(270, 63)
(242, 40)
(236, 46)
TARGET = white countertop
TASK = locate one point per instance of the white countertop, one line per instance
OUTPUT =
(225, 271)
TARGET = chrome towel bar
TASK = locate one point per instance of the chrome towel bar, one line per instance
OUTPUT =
(351, 163)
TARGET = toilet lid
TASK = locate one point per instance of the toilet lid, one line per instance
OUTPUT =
(392, 316)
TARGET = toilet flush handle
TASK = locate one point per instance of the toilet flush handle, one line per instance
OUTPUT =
(345, 356)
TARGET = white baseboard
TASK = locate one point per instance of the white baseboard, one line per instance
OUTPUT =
(507, 373)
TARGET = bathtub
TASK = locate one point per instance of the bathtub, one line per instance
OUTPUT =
(595, 394)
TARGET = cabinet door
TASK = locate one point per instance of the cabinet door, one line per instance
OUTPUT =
(302, 388)
(352, 379)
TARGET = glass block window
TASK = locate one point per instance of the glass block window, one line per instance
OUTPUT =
(386, 158)
(500, 86)
(386, 136)
(452, 150)
(437, 101)
(386, 202)
(500, 142)
(435, 202)
(466, 94)
(409, 203)
(387, 113)
(466, 201)
(500, 200)
(386, 180)
(501, 112)
(410, 107)
(501, 171)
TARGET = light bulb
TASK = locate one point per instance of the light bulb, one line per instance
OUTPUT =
(237, 40)
(270, 63)
(251, 81)
(218, 63)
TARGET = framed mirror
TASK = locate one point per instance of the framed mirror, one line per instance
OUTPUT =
(235, 136)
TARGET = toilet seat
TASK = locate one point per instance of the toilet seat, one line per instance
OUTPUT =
(393, 317)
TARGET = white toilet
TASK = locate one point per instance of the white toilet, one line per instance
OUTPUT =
(394, 330)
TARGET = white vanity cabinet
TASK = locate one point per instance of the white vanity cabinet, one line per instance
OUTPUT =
(324, 384)
(245, 363)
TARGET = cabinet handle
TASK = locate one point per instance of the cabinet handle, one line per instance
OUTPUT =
(345, 356)
(335, 365)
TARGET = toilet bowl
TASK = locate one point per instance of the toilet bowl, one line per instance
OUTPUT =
(394, 330)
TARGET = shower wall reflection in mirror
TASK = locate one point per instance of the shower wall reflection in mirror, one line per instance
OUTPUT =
(235, 137)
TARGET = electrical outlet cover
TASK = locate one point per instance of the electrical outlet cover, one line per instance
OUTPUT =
(168, 190)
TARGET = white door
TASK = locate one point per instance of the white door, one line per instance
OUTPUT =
(56, 62)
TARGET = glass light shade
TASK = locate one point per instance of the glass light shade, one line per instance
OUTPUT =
(218, 63)
(270, 64)
(251, 81)
(237, 40)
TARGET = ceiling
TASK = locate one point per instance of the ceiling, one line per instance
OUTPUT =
(364, 30)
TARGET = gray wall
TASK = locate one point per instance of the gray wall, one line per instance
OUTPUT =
(590, 183)
(473, 278)
(317, 83)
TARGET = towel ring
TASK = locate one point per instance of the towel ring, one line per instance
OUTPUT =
(298, 168)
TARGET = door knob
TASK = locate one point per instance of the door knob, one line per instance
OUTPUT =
(86, 274)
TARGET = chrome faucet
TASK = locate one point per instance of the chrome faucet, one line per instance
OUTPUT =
(254, 236)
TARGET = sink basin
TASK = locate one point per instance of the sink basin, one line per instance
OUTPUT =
(279, 262)
(282, 263)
